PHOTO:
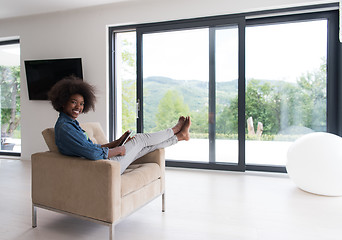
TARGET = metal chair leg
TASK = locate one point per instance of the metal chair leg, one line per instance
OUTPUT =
(34, 216)
(163, 202)
(111, 231)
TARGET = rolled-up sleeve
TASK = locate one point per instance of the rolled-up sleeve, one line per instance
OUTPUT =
(71, 141)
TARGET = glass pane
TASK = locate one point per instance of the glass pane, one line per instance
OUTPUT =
(125, 66)
(286, 87)
(10, 98)
(227, 41)
(175, 75)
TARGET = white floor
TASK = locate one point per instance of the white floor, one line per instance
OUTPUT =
(201, 205)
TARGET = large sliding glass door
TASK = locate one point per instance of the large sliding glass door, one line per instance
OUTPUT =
(226, 94)
(193, 71)
(251, 86)
(175, 83)
(286, 86)
(189, 71)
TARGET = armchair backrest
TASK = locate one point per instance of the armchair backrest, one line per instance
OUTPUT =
(93, 129)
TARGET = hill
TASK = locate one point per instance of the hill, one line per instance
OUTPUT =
(195, 94)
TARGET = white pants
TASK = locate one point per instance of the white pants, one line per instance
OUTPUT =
(143, 143)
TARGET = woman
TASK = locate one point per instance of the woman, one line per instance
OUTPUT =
(71, 97)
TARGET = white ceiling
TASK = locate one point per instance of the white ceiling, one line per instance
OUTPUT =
(18, 8)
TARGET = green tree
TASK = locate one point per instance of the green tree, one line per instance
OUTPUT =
(128, 105)
(128, 87)
(170, 107)
(10, 99)
(263, 104)
(290, 97)
(313, 94)
(127, 55)
(304, 104)
(227, 119)
(199, 121)
(279, 105)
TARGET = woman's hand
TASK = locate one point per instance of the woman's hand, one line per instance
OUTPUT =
(123, 139)
(129, 139)
(116, 142)
(117, 151)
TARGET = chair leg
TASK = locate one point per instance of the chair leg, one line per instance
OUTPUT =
(34, 216)
(111, 231)
(163, 202)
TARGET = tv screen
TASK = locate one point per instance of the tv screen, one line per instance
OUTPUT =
(41, 75)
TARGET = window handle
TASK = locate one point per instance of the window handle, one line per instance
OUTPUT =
(138, 107)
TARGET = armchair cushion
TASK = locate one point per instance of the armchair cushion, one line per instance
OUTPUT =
(138, 175)
(95, 132)
(49, 137)
(93, 129)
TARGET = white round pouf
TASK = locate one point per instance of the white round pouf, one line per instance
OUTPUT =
(314, 163)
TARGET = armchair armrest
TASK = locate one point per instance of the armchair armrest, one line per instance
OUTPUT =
(157, 156)
(72, 184)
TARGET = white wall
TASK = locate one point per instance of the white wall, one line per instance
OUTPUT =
(83, 33)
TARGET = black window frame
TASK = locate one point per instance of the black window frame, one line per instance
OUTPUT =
(295, 14)
(6, 153)
(332, 73)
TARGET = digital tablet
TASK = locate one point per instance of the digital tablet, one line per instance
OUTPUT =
(126, 137)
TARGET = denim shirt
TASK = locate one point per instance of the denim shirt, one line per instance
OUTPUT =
(71, 140)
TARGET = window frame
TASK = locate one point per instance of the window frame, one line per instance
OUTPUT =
(332, 95)
(6, 153)
(334, 115)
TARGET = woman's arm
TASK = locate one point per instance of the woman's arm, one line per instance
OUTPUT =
(113, 147)
(112, 144)
(117, 151)
(71, 141)
(115, 143)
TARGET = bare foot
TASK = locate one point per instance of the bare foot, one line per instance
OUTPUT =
(184, 134)
(178, 127)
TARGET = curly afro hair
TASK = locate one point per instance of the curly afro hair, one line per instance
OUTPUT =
(61, 92)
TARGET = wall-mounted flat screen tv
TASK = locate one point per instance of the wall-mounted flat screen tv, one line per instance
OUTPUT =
(41, 75)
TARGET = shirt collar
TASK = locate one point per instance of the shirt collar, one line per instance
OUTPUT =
(67, 117)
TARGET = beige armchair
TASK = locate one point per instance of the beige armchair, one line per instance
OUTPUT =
(94, 190)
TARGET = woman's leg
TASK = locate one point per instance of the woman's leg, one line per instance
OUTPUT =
(143, 143)
(132, 155)
(150, 139)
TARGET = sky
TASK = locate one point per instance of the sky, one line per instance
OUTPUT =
(273, 52)
(10, 55)
(286, 51)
